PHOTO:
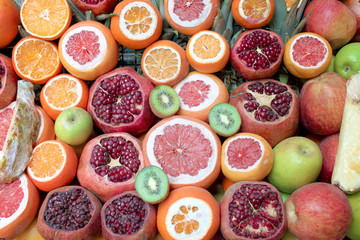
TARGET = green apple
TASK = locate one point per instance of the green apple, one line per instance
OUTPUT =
(73, 126)
(284, 196)
(347, 60)
(288, 236)
(331, 67)
(354, 230)
(297, 162)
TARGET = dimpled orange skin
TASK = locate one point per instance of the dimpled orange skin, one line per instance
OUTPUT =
(10, 19)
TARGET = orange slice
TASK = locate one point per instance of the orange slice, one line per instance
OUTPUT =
(164, 63)
(307, 55)
(61, 92)
(45, 19)
(290, 3)
(246, 157)
(47, 130)
(36, 60)
(136, 23)
(52, 164)
(207, 51)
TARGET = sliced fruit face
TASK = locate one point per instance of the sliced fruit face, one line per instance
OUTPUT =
(224, 119)
(254, 10)
(164, 101)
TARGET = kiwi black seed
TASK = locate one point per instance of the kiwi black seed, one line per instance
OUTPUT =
(224, 119)
(152, 184)
(164, 101)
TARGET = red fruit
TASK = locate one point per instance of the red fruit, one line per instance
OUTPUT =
(109, 163)
(332, 20)
(127, 216)
(252, 210)
(257, 54)
(328, 147)
(8, 81)
(354, 6)
(318, 211)
(119, 102)
(96, 6)
(69, 212)
(320, 98)
(268, 108)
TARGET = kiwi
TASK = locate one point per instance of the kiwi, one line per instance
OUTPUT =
(224, 119)
(152, 184)
(164, 101)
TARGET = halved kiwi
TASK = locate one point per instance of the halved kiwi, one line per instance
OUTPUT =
(224, 119)
(164, 101)
(152, 184)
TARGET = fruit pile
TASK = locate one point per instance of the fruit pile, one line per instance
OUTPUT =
(179, 119)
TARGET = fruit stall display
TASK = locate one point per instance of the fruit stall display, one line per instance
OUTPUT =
(179, 119)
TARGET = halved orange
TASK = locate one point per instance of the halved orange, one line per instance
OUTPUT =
(36, 60)
(61, 92)
(45, 19)
(253, 13)
(164, 63)
(188, 213)
(307, 55)
(208, 51)
(290, 3)
(52, 164)
(136, 23)
(246, 157)
(47, 130)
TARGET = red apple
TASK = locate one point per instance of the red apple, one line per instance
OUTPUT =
(328, 147)
(354, 6)
(332, 20)
(318, 211)
(322, 101)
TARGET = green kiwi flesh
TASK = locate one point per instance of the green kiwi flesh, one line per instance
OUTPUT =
(152, 184)
(224, 119)
(164, 101)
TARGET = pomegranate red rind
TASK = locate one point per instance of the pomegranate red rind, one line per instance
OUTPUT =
(252, 210)
(268, 108)
(127, 216)
(119, 102)
(97, 7)
(8, 79)
(257, 54)
(109, 163)
(69, 212)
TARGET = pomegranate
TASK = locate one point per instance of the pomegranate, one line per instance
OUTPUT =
(127, 216)
(8, 81)
(109, 163)
(268, 108)
(257, 53)
(252, 210)
(96, 6)
(119, 102)
(69, 212)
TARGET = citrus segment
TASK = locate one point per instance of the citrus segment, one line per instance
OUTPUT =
(45, 19)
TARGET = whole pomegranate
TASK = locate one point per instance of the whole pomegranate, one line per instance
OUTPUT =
(252, 210)
(96, 6)
(268, 108)
(69, 212)
(8, 81)
(109, 163)
(257, 53)
(127, 216)
(119, 102)
(354, 6)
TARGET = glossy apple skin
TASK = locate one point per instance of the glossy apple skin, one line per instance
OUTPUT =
(328, 147)
(354, 231)
(354, 6)
(347, 60)
(318, 211)
(322, 101)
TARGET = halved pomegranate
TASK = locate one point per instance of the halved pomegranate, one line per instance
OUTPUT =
(69, 212)
(96, 6)
(257, 54)
(109, 163)
(8, 80)
(119, 102)
(252, 210)
(268, 108)
(127, 216)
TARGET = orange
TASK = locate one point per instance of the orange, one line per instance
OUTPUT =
(188, 213)
(47, 130)
(61, 92)
(246, 157)
(164, 63)
(199, 92)
(307, 55)
(290, 3)
(189, 17)
(136, 23)
(253, 13)
(226, 183)
(9, 19)
(36, 60)
(45, 19)
(53, 164)
(88, 49)
(208, 51)
(79, 149)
